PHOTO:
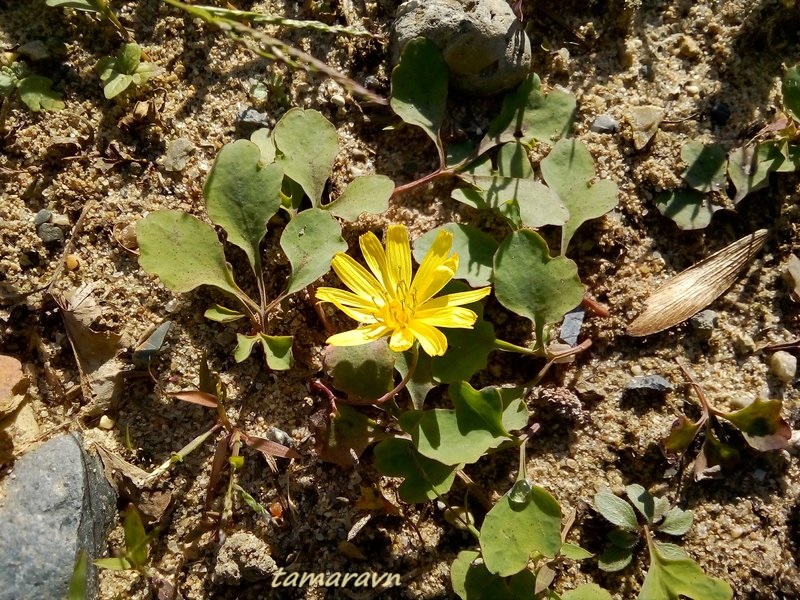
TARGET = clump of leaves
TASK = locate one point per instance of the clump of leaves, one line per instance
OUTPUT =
(126, 69)
(135, 555)
(249, 183)
(672, 572)
(99, 7)
(35, 91)
(774, 149)
(760, 423)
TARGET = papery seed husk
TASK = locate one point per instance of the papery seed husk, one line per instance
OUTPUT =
(694, 289)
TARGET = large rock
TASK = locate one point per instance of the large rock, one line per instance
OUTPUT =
(484, 45)
(55, 503)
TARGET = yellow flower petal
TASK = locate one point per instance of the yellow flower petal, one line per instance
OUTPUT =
(448, 316)
(431, 339)
(375, 256)
(429, 274)
(356, 337)
(457, 299)
(398, 259)
(401, 339)
(350, 304)
(357, 278)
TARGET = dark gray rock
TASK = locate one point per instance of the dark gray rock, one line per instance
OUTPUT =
(56, 502)
(43, 216)
(704, 323)
(50, 234)
(571, 327)
(605, 124)
(655, 383)
(250, 120)
(484, 45)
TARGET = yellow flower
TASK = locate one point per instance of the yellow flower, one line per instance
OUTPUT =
(388, 301)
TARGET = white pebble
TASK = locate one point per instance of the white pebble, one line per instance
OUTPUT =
(783, 366)
(106, 423)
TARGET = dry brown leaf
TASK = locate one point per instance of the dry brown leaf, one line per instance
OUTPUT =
(13, 384)
(644, 121)
(197, 397)
(95, 352)
(793, 276)
(691, 291)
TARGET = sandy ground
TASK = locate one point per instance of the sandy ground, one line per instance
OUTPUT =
(686, 57)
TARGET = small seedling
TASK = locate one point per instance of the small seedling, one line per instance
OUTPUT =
(126, 69)
(672, 572)
(100, 7)
(760, 423)
(34, 91)
(135, 556)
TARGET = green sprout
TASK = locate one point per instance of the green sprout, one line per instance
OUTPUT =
(136, 554)
(100, 7)
(34, 91)
(672, 572)
(118, 74)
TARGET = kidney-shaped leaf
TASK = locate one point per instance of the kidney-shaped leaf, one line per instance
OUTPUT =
(365, 372)
(475, 582)
(475, 251)
(242, 195)
(310, 241)
(425, 479)
(367, 194)
(689, 209)
(183, 251)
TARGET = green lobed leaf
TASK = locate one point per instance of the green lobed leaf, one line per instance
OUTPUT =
(475, 582)
(242, 196)
(681, 435)
(790, 88)
(36, 93)
(671, 578)
(790, 157)
(706, 166)
(364, 372)
(368, 194)
(222, 314)
(244, 346)
(676, 521)
(587, 591)
(348, 434)
(689, 209)
(278, 351)
(425, 479)
(762, 425)
(419, 87)
(513, 161)
(749, 167)
(183, 251)
(529, 282)
(307, 145)
(529, 114)
(616, 510)
(668, 550)
(475, 251)
(569, 171)
(511, 533)
(310, 241)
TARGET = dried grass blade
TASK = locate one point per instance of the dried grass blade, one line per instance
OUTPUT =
(691, 291)
(269, 448)
(197, 397)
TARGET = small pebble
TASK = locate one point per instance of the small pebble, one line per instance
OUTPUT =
(250, 119)
(605, 124)
(50, 234)
(71, 262)
(43, 216)
(106, 423)
(649, 382)
(60, 220)
(783, 365)
(704, 323)
(719, 114)
(338, 100)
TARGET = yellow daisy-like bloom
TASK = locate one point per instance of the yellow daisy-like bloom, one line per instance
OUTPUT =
(388, 301)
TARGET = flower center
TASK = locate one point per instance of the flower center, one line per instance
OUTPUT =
(398, 312)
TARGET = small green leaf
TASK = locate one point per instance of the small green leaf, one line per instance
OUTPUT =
(569, 171)
(183, 251)
(587, 591)
(419, 87)
(242, 195)
(310, 241)
(244, 346)
(348, 434)
(671, 578)
(574, 552)
(278, 351)
(510, 534)
(425, 479)
(307, 145)
(116, 83)
(368, 194)
(762, 425)
(532, 284)
(689, 209)
(790, 89)
(113, 564)
(616, 510)
(36, 94)
(473, 581)
(78, 583)
(222, 314)
(622, 538)
(136, 540)
(681, 435)
(614, 558)
(263, 139)
(128, 58)
(749, 167)
(676, 521)
(364, 372)
(475, 251)
(531, 116)
(706, 166)
(513, 161)
(642, 501)
(484, 406)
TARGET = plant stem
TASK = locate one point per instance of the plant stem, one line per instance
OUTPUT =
(400, 386)
(438, 174)
(179, 456)
(509, 347)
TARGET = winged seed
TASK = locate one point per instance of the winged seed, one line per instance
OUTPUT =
(691, 291)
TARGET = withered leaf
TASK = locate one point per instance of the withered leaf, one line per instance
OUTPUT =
(713, 457)
(694, 289)
(197, 397)
(680, 436)
(761, 424)
(792, 274)
(269, 448)
(13, 384)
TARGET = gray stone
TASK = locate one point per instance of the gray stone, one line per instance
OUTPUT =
(50, 234)
(571, 327)
(243, 557)
(605, 124)
(783, 365)
(704, 323)
(56, 502)
(649, 382)
(43, 216)
(484, 45)
(178, 152)
(250, 120)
